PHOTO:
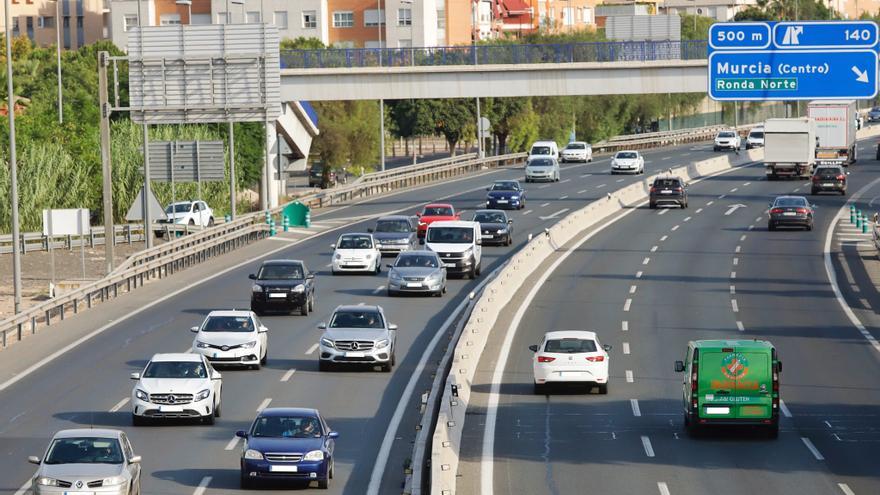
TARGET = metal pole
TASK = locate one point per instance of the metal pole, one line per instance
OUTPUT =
(479, 133)
(13, 166)
(226, 19)
(198, 172)
(58, 52)
(107, 177)
(231, 170)
(264, 184)
(382, 134)
(147, 194)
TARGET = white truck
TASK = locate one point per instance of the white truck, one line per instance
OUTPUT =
(836, 130)
(789, 147)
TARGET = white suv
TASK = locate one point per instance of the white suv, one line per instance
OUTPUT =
(459, 245)
(356, 253)
(232, 337)
(727, 140)
(176, 386)
(577, 151)
(573, 356)
(189, 213)
(358, 335)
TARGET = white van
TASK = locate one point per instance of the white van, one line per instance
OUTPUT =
(459, 245)
(543, 149)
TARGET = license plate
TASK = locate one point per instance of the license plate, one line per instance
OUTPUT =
(789, 214)
(449, 265)
(414, 284)
(487, 236)
(170, 408)
(717, 410)
(572, 373)
(665, 192)
(355, 354)
(79, 493)
(277, 296)
(499, 201)
(827, 184)
(282, 469)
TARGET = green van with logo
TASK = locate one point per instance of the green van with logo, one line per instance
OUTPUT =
(731, 382)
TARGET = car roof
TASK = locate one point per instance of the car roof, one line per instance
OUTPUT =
(499, 181)
(452, 223)
(183, 202)
(88, 433)
(230, 312)
(788, 196)
(577, 142)
(627, 151)
(438, 205)
(177, 356)
(357, 307)
(490, 211)
(739, 343)
(282, 262)
(289, 411)
(570, 334)
(668, 177)
(351, 234)
(394, 217)
(417, 252)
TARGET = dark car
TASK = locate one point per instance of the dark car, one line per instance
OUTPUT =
(495, 227)
(829, 178)
(874, 114)
(316, 178)
(506, 194)
(790, 211)
(288, 444)
(283, 285)
(668, 191)
(394, 234)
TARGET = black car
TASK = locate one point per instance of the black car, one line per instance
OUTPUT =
(790, 211)
(829, 178)
(316, 178)
(495, 227)
(283, 285)
(395, 234)
(668, 191)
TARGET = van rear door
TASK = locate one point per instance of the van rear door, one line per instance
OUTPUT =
(716, 392)
(752, 369)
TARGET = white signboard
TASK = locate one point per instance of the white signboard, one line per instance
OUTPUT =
(66, 222)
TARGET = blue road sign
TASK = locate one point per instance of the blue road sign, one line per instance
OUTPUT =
(838, 35)
(792, 75)
(739, 36)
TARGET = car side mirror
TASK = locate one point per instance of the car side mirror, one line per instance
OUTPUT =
(479, 242)
(533, 348)
(509, 221)
(333, 246)
(779, 366)
(333, 434)
(241, 434)
(135, 376)
(606, 347)
(33, 459)
(216, 376)
(310, 276)
(419, 215)
(370, 230)
(392, 326)
(135, 459)
(679, 366)
(263, 329)
(194, 329)
(488, 188)
(389, 265)
(252, 276)
(322, 326)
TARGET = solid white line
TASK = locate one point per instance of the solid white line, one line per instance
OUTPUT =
(646, 443)
(264, 404)
(232, 443)
(634, 404)
(664, 238)
(312, 349)
(26, 487)
(378, 289)
(845, 489)
(664, 490)
(674, 228)
(563, 197)
(203, 485)
(740, 326)
(545, 204)
(687, 219)
(734, 306)
(600, 186)
(784, 409)
(646, 261)
(582, 191)
(812, 448)
(527, 212)
(119, 405)
(654, 249)
(624, 326)
(632, 289)
(629, 376)
(627, 304)
(698, 210)
(663, 211)
(638, 274)
(732, 274)
(626, 347)
(287, 375)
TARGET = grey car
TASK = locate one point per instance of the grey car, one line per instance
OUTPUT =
(94, 461)
(495, 227)
(417, 272)
(394, 234)
(357, 335)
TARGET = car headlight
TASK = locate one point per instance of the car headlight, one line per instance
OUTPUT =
(315, 455)
(468, 252)
(328, 343)
(114, 480)
(201, 345)
(382, 344)
(202, 395)
(423, 223)
(253, 454)
(140, 394)
(256, 288)
(249, 345)
(393, 275)
(369, 256)
(299, 288)
(514, 198)
(338, 256)
(44, 481)
(502, 231)
(433, 276)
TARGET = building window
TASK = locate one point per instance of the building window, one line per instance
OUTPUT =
(253, 17)
(46, 22)
(568, 16)
(15, 26)
(281, 19)
(374, 17)
(29, 24)
(79, 22)
(169, 19)
(404, 17)
(224, 18)
(200, 19)
(343, 19)
(310, 19)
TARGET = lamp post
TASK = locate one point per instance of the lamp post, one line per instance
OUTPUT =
(58, 55)
(13, 166)
(474, 29)
(381, 101)
(189, 6)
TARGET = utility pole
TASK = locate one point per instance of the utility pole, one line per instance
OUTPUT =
(474, 29)
(13, 167)
(381, 101)
(58, 56)
(106, 166)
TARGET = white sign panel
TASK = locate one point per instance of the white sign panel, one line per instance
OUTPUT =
(66, 222)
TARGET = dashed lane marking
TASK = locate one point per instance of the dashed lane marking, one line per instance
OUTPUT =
(732, 274)
(674, 228)
(564, 181)
(264, 404)
(632, 289)
(619, 181)
(646, 261)
(624, 326)
(732, 289)
(600, 186)
(638, 274)
(563, 197)
(663, 211)
(634, 404)
(545, 205)
(740, 326)
(722, 196)
(582, 191)
(687, 219)
(626, 347)
(738, 249)
(742, 238)
(312, 349)
(747, 183)
(527, 212)
(629, 376)
(845, 489)
(710, 203)
(378, 289)
(654, 249)
(203, 485)
(661, 486)
(232, 443)
(586, 175)
(544, 186)
(784, 409)
(288, 374)
(734, 306)
(119, 405)
(735, 261)
(735, 189)
(627, 304)
(664, 238)
(646, 443)
(812, 448)
(699, 210)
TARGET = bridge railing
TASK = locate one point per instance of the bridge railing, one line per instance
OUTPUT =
(554, 53)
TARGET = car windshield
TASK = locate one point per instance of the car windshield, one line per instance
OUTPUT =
(726, 134)
(505, 186)
(417, 261)
(355, 242)
(667, 183)
(790, 202)
(576, 146)
(437, 211)
(490, 217)
(395, 226)
(829, 171)
(540, 150)
(316, 172)
(570, 346)
(357, 319)
(541, 162)
(84, 450)
(287, 427)
(627, 155)
(757, 134)
(451, 235)
(280, 272)
(178, 208)
(175, 369)
(242, 324)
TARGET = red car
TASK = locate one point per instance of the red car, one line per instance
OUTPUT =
(433, 213)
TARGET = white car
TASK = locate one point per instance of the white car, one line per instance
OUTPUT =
(356, 253)
(542, 169)
(727, 140)
(232, 337)
(570, 356)
(628, 162)
(755, 139)
(176, 386)
(577, 151)
(189, 213)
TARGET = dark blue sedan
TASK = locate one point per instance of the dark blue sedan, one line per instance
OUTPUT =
(288, 444)
(505, 194)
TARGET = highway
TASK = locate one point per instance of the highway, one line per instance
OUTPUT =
(89, 385)
(647, 285)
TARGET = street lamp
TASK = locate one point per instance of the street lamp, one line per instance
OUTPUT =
(13, 166)
(58, 53)
(381, 100)
(189, 6)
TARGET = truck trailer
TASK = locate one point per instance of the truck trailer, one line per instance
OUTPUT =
(789, 147)
(836, 130)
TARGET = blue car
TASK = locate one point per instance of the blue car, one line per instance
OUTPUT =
(505, 194)
(287, 444)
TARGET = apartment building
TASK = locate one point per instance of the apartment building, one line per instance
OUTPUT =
(81, 21)
(720, 10)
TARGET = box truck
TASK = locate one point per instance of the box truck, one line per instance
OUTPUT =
(836, 130)
(789, 147)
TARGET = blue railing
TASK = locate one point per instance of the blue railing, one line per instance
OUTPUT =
(310, 111)
(611, 51)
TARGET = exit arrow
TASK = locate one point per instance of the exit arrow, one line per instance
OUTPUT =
(733, 208)
(862, 75)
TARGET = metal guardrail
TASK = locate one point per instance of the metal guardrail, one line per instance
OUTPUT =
(36, 241)
(378, 176)
(607, 51)
(663, 138)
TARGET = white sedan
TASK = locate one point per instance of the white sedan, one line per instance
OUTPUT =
(570, 356)
(628, 162)
(233, 338)
(577, 151)
(356, 253)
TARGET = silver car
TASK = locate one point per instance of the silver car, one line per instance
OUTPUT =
(93, 461)
(357, 335)
(546, 169)
(417, 271)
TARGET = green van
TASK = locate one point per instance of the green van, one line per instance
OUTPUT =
(731, 382)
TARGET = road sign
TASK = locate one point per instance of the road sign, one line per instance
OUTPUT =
(739, 36)
(830, 35)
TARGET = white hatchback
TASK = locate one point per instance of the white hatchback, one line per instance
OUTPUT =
(570, 356)
(233, 338)
(356, 253)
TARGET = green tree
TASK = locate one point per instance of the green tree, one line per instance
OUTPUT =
(454, 118)
(503, 113)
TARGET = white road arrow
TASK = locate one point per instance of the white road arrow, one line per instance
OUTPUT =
(862, 75)
(560, 212)
(733, 208)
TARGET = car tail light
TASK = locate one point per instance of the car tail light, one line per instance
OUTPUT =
(653, 189)
(595, 359)
(678, 189)
(776, 210)
(776, 382)
(546, 359)
(694, 381)
(841, 177)
(815, 178)
(802, 211)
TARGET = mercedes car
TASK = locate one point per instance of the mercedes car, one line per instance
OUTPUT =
(176, 386)
(357, 335)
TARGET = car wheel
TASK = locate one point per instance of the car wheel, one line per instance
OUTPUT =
(324, 365)
(217, 408)
(138, 420)
(591, 159)
(312, 302)
(652, 206)
(540, 389)
(211, 222)
(809, 226)
(304, 308)
(257, 310)
(265, 358)
(773, 431)
(813, 192)
(324, 484)
(333, 272)
(439, 293)
(771, 226)
(509, 239)
(386, 367)
(478, 269)
(393, 358)
(208, 420)
(603, 389)
(378, 265)
(245, 482)
(685, 205)
(255, 367)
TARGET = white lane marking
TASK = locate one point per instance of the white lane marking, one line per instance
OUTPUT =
(664, 238)
(288, 374)
(563, 197)
(742, 238)
(378, 289)
(747, 183)
(751, 227)
(735, 261)
(699, 210)
(735, 189)
(646, 443)
(685, 154)
(619, 180)
(312, 349)
(526, 212)
(627, 304)
(812, 448)
(203, 485)
(646, 261)
(664, 490)
(328, 265)
(232, 443)
(554, 215)
(582, 191)
(600, 186)
(722, 196)
(119, 405)
(629, 376)
(25, 488)
(738, 249)
(828, 424)
(264, 404)
(586, 175)
(626, 347)
(732, 274)
(663, 211)
(634, 404)
(666, 158)
(759, 219)
(674, 228)
(710, 203)
(687, 219)
(732, 290)
(564, 181)
(632, 289)
(654, 249)
(845, 489)
(740, 326)
(545, 205)
(638, 274)
(734, 306)
(544, 186)
(624, 326)
(784, 409)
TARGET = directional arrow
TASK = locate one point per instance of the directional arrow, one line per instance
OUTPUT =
(862, 75)
(733, 208)
(560, 212)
